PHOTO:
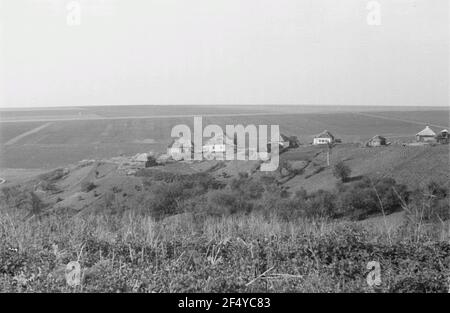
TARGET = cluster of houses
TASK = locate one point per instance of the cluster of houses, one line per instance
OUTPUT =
(179, 147)
(427, 135)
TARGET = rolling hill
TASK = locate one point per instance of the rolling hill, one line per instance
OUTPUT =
(99, 185)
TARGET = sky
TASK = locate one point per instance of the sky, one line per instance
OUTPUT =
(117, 52)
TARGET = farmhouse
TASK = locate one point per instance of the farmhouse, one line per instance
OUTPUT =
(376, 141)
(426, 135)
(180, 148)
(324, 137)
(218, 145)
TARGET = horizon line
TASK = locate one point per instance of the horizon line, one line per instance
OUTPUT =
(230, 104)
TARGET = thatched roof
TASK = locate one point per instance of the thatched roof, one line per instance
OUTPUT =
(427, 131)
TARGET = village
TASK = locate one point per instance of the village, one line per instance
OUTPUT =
(224, 154)
(216, 147)
(301, 166)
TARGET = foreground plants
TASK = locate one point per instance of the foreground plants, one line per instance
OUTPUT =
(187, 253)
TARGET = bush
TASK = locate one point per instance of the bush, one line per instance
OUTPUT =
(371, 196)
(87, 186)
(246, 187)
(341, 171)
(225, 202)
(202, 181)
(164, 199)
(435, 189)
(321, 204)
(151, 161)
(22, 199)
(429, 204)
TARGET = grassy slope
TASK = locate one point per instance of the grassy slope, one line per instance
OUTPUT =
(185, 253)
(413, 166)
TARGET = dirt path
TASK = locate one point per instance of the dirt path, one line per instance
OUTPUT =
(25, 134)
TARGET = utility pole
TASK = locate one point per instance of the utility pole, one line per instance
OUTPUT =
(328, 153)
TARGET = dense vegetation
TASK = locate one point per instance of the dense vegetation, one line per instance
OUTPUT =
(194, 233)
(203, 195)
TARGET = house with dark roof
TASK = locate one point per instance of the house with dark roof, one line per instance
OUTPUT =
(376, 141)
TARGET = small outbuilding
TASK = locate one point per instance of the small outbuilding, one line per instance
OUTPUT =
(376, 141)
(426, 135)
(443, 137)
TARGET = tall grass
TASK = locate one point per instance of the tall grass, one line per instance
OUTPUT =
(199, 253)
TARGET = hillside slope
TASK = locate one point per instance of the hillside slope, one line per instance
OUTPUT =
(104, 185)
(413, 166)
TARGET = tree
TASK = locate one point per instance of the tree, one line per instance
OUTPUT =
(151, 161)
(293, 142)
(341, 171)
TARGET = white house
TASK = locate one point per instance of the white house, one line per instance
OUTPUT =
(324, 137)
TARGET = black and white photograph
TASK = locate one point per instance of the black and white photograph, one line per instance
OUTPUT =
(244, 148)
